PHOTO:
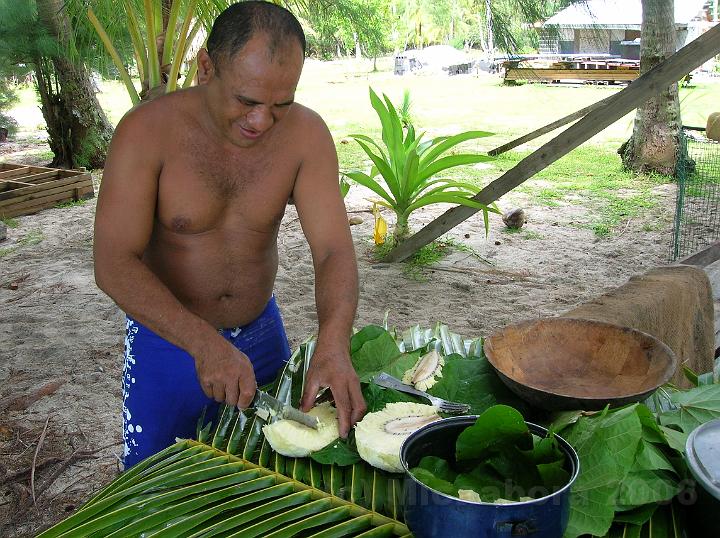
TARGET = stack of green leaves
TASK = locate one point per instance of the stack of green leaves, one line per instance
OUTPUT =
(499, 459)
(632, 468)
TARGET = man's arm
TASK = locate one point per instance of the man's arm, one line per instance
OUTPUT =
(123, 226)
(324, 222)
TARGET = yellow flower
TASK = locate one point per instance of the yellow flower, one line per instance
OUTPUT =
(381, 227)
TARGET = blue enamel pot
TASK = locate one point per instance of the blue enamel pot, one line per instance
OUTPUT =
(431, 514)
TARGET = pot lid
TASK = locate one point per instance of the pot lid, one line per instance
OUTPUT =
(702, 451)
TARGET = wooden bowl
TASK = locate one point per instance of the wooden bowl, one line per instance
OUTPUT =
(567, 363)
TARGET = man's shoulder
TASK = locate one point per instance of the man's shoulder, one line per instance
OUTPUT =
(160, 113)
(309, 122)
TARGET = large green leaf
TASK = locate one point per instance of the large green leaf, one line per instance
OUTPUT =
(391, 177)
(606, 445)
(379, 354)
(495, 429)
(695, 407)
(339, 452)
(474, 382)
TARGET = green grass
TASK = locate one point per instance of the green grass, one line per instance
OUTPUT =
(590, 176)
(6, 250)
(33, 237)
(522, 233)
(418, 266)
(71, 203)
(10, 222)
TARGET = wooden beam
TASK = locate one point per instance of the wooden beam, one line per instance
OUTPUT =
(703, 257)
(16, 194)
(14, 172)
(649, 84)
(524, 73)
(549, 127)
(17, 182)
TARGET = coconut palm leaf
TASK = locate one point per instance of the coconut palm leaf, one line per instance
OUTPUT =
(192, 489)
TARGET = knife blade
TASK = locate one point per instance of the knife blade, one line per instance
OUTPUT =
(267, 407)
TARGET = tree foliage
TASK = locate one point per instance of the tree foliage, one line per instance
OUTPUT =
(36, 35)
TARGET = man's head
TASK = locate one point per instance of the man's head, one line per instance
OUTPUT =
(250, 69)
(238, 23)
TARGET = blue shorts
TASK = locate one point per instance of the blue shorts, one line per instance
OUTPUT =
(162, 397)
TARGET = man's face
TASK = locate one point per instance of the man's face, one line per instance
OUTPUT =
(253, 89)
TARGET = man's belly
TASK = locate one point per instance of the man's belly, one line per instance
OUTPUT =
(227, 283)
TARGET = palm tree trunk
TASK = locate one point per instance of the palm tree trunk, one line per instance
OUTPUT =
(79, 132)
(654, 142)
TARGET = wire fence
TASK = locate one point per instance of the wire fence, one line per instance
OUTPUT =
(697, 211)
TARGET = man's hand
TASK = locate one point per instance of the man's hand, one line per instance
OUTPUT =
(334, 370)
(226, 374)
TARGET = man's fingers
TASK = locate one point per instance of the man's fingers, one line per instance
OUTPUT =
(246, 395)
(218, 392)
(358, 403)
(342, 404)
(231, 394)
(207, 389)
(308, 399)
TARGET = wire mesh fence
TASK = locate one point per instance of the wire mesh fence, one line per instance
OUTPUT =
(697, 211)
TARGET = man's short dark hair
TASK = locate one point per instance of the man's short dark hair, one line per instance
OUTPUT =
(234, 27)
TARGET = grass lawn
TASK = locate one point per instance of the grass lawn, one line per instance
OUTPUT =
(590, 175)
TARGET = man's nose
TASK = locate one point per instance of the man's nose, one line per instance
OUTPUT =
(260, 118)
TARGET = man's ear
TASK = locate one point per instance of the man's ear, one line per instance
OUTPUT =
(206, 68)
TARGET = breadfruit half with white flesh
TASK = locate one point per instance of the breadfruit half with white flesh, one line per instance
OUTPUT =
(426, 372)
(380, 435)
(293, 439)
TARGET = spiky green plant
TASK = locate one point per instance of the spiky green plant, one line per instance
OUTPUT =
(409, 166)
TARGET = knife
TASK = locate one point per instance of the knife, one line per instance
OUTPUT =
(267, 407)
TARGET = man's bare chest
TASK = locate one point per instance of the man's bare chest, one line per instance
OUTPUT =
(202, 188)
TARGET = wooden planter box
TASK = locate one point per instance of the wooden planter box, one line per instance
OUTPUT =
(28, 189)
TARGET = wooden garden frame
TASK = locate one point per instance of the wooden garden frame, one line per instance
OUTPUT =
(28, 189)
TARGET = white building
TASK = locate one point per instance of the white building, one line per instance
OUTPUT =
(613, 27)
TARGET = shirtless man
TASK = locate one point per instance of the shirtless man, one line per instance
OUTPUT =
(195, 186)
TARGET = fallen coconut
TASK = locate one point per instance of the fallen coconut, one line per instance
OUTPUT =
(296, 440)
(515, 218)
(380, 435)
(426, 372)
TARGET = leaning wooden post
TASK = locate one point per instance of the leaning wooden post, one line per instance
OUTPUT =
(549, 127)
(671, 70)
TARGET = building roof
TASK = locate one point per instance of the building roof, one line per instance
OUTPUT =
(620, 14)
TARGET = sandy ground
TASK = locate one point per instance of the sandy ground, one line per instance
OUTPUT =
(61, 338)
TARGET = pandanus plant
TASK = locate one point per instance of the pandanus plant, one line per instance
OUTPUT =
(405, 167)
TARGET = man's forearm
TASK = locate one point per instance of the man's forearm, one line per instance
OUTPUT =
(141, 294)
(336, 297)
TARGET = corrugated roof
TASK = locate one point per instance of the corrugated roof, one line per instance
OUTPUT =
(618, 13)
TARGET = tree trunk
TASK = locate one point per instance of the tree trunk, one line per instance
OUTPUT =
(78, 130)
(654, 142)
